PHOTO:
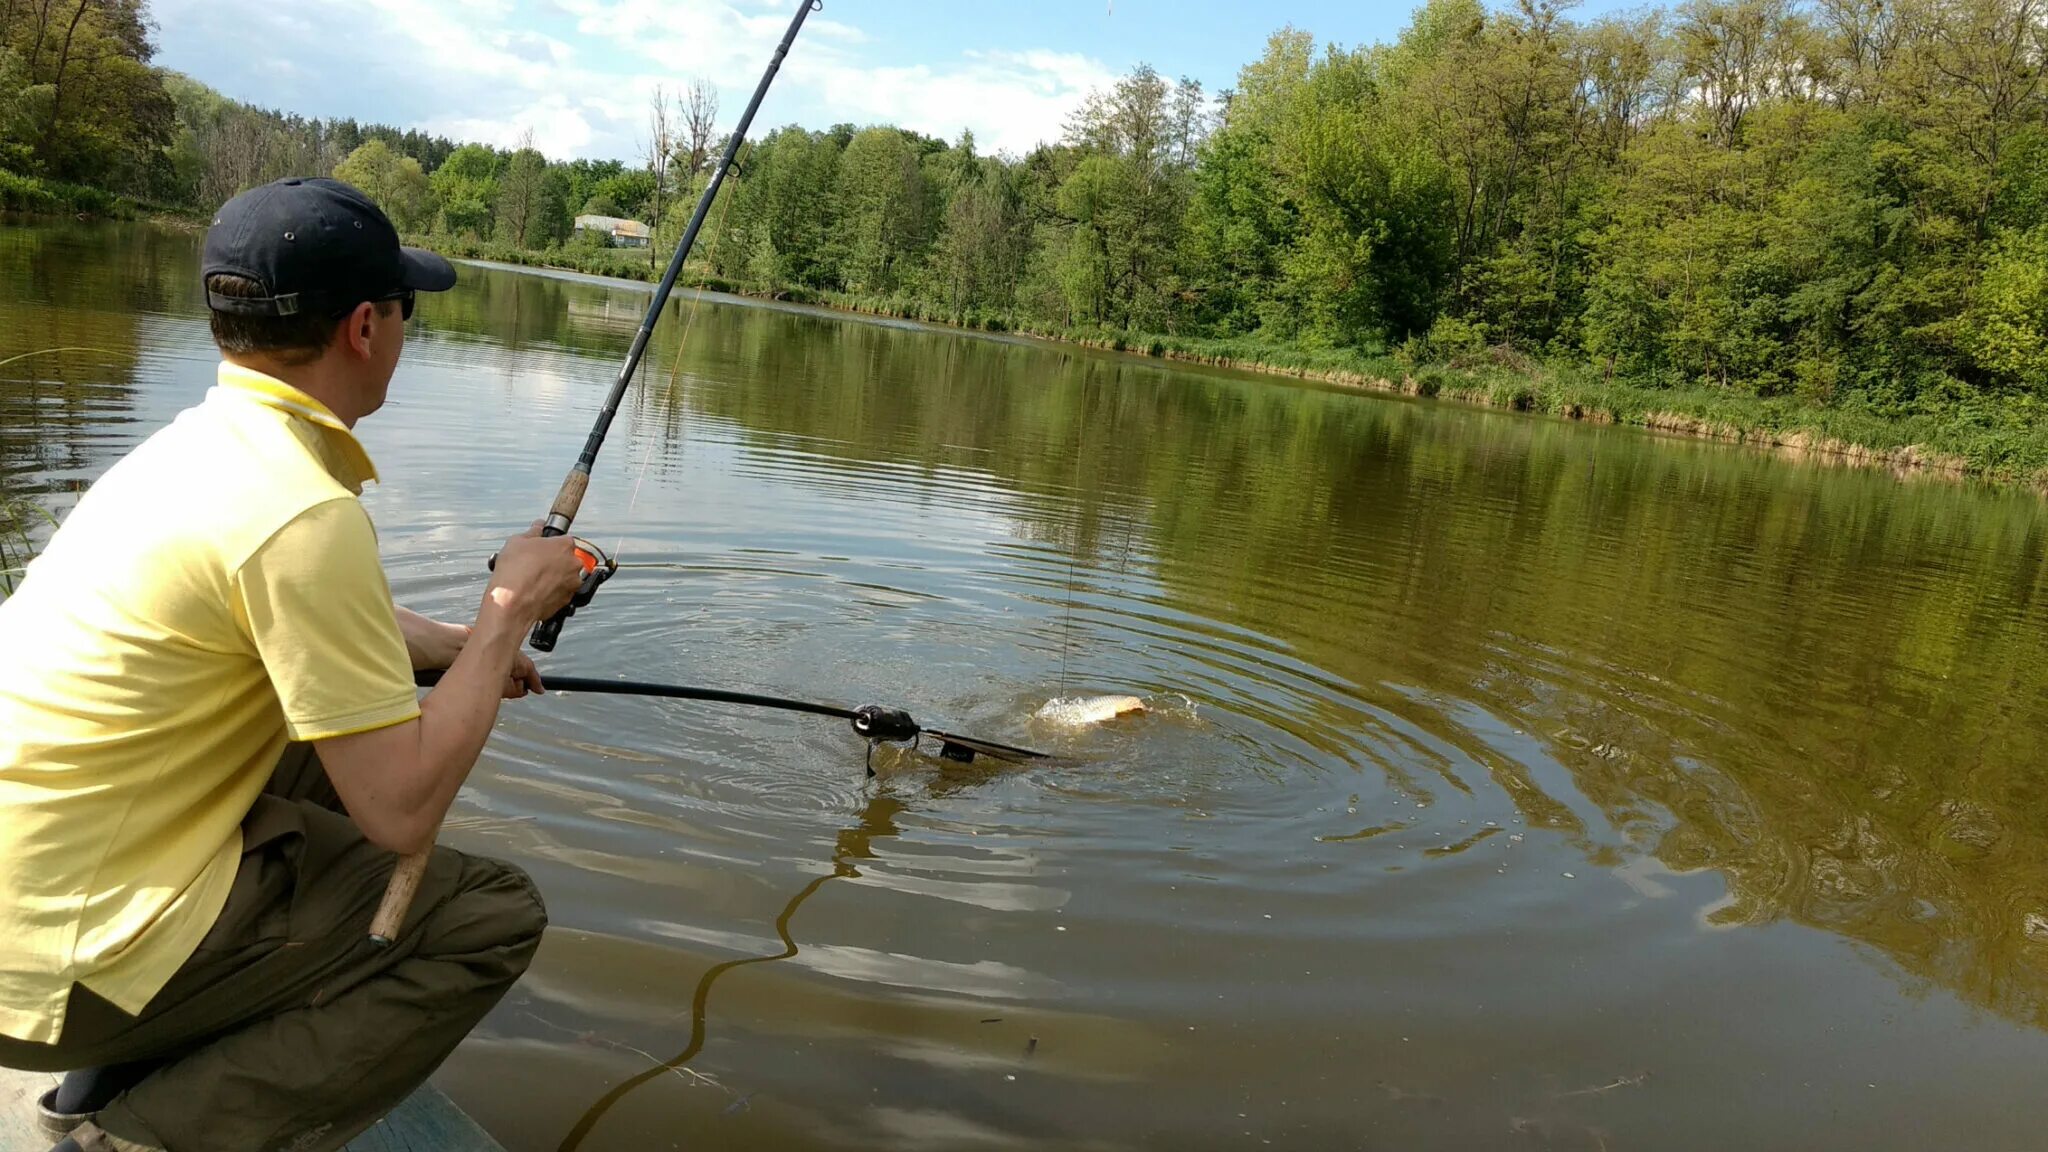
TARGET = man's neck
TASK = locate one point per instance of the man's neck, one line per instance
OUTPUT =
(317, 379)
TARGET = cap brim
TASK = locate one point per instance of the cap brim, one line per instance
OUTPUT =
(426, 271)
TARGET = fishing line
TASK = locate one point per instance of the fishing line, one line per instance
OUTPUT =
(1074, 553)
(675, 372)
(53, 351)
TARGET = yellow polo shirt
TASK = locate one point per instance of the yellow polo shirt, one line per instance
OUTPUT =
(216, 592)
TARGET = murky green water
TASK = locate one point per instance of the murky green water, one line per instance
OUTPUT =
(1512, 784)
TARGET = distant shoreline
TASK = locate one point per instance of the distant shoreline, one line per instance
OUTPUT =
(1922, 446)
(1944, 446)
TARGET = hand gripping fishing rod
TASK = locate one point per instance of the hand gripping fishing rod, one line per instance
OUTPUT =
(597, 568)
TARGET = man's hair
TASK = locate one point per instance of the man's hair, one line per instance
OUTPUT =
(298, 339)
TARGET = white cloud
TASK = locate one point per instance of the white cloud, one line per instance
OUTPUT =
(558, 129)
(578, 73)
(1012, 101)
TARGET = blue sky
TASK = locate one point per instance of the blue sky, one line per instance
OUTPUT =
(577, 74)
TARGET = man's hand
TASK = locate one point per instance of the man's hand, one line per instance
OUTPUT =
(524, 678)
(535, 576)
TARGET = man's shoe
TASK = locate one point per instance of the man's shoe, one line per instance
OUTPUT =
(51, 1122)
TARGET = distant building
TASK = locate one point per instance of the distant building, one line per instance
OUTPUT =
(620, 233)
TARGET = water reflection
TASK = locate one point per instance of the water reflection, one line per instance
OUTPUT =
(79, 311)
(854, 844)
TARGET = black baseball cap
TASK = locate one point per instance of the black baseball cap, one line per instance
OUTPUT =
(317, 246)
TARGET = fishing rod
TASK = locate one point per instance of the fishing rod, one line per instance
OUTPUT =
(871, 722)
(597, 567)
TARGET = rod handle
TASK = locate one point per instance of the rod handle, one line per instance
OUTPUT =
(568, 502)
(398, 895)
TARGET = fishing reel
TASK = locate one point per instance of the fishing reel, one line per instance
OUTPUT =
(597, 568)
(879, 725)
(884, 725)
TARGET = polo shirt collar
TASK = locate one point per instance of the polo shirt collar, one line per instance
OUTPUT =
(249, 384)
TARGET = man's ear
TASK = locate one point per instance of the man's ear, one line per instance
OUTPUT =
(355, 330)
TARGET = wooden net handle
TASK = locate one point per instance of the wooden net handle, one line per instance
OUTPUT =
(398, 894)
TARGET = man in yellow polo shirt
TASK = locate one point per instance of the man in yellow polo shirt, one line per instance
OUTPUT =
(211, 746)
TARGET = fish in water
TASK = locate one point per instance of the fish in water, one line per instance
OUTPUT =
(1086, 710)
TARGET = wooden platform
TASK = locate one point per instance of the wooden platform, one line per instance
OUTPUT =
(426, 1120)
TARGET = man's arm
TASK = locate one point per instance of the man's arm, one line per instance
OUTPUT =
(398, 781)
(433, 646)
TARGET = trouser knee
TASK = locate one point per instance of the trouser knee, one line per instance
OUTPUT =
(492, 923)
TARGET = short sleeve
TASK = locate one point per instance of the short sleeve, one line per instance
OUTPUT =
(318, 608)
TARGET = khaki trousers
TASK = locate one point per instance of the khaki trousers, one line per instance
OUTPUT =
(288, 1030)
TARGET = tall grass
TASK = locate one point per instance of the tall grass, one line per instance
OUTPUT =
(18, 515)
(2003, 438)
(20, 193)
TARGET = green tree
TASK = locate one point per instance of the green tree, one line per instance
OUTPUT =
(627, 193)
(2006, 326)
(522, 213)
(1239, 222)
(466, 185)
(787, 192)
(982, 244)
(1128, 199)
(583, 177)
(24, 105)
(554, 214)
(883, 204)
(1839, 199)
(763, 262)
(395, 182)
(100, 113)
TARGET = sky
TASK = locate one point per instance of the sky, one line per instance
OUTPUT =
(578, 74)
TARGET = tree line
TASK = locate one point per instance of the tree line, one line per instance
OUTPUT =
(1839, 200)
(1835, 199)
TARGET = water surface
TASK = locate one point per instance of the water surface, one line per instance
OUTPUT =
(1511, 784)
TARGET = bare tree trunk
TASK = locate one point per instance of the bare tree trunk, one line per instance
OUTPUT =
(700, 122)
(7, 22)
(661, 142)
(42, 26)
(517, 190)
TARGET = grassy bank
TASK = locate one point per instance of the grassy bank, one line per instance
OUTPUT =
(2001, 438)
(34, 194)
(620, 263)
